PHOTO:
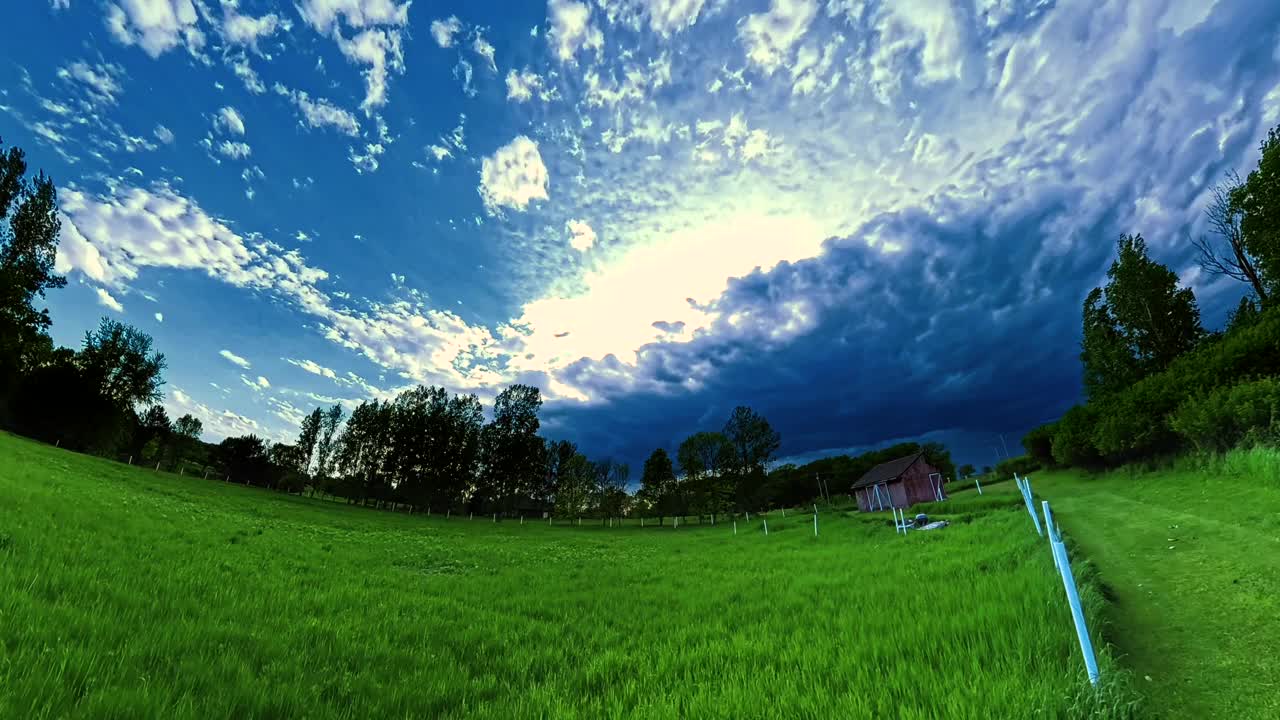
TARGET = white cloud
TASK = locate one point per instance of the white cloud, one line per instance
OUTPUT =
(105, 300)
(320, 113)
(367, 161)
(163, 134)
(581, 236)
(229, 120)
(444, 30)
(60, 4)
(101, 82)
(513, 176)
(324, 15)
(927, 26)
(263, 382)
(485, 50)
(234, 359)
(380, 50)
(667, 17)
(247, 30)
(769, 36)
(219, 424)
(159, 317)
(438, 152)
(156, 26)
(571, 29)
(522, 85)
(313, 367)
(239, 63)
(236, 150)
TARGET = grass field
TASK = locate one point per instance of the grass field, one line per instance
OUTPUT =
(1190, 557)
(126, 593)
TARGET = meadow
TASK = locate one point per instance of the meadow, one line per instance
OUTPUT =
(128, 593)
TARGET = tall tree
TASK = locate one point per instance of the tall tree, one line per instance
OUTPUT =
(1139, 323)
(119, 360)
(307, 439)
(658, 483)
(511, 449)
(1257, 202)
(329, 422)
(1236, 261)
(754, 441)
(705, 459)
(28, 249)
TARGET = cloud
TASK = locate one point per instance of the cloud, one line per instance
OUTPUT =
(262, 382)
(235, 150)
(159, 317)
(234, 359)
(367, 161)
(667, 17)
(376, 45)
(572, 29)
(769, 36)
(220, 424)
(248, 30)
(100, 82)
(105, 300)
(513, 176)
(522, 85)
(229, 120)
(163, 134)
(444, 30)
(156, 26)
(60, 4)
(380, 51)
(320, 113)
(313, 367)
(484, 50)
(581, 236)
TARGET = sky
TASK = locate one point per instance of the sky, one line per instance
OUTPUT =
(870, 221)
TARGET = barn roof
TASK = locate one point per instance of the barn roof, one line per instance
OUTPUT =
(887, 471)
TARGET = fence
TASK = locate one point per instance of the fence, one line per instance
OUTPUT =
(1062, 562)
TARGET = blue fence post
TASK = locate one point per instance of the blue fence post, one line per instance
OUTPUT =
(1025, 486)
(1077, 612)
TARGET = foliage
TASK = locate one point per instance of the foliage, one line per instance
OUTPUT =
(658, 487)
(1073, 438)
(511, 453)
(1237, 262)
(1039, 444)
(1138, 324)
(118, 359)
(1219, 420)
(1257, 201)
(1021, 465)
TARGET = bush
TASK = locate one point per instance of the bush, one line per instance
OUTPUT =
(1021, 465)
(1072, 440)
(1220, 420)
(1039, 444)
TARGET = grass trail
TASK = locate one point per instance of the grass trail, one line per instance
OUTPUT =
(1191, 561)
(127, 593)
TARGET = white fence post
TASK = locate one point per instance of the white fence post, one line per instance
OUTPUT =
(1024, 484)
(815, 524)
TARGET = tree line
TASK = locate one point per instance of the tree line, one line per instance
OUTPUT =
(1156, 381)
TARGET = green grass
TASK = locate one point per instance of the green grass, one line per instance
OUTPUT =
(126, 593)
(1190, 558)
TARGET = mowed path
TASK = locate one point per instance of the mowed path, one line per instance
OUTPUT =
(1191, 561)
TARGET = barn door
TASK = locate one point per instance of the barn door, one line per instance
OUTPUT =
(935, 482)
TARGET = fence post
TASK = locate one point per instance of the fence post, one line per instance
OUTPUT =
(1025, 485)
(766, 526)
(735, 527)
(1077, 612)
(815, 524)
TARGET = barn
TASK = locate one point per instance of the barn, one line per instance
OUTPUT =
(899, 483)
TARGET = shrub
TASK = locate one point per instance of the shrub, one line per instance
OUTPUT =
(1039, 444)
(1072, 440)
(1021, 465)
(1219, 420)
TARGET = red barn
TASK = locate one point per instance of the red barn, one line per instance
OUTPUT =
(899, 483)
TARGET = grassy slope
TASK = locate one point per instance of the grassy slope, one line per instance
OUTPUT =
(128, 593)
(1191, 559)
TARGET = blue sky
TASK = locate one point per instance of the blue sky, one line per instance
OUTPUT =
(870, 221)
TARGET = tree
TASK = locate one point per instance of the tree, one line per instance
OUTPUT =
(329, 422)
(152, 434)
(188, 426)
(658, 483)
(705, 460)
(1256, 203)
(118, 359)
(753, 441)
(937, 455)
(1224, 219)
(1245, 315)
(986, 469)
(1139, 323)
(966, 470)
(307, 438)
(511, 451)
